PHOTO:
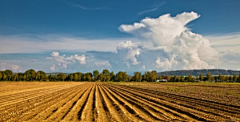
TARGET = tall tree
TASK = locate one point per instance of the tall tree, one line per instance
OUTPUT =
(215, 78)
(137, 76)
(125, 76)
(168, 77)
(30, 75)
(79, 76)
(182, 78)
(178, 79)
(8, 74)
(147, 76)
(159, 78)
(235, 77)
(20, 76)
(230, 78)
(84, 77)
(101, 77)
(190, 78)
(41, 76)
(88, 76)
(106, 74)
(121, 76)
(201, 77)
(76, 77)
(70, 76)
(226, 78)
(24, 77)
(50, 77)
(95, 75)
(153, 76)
(15, 77)
(174, 79)
(0, 76)
(223, 78)
(112, 76)
(220, 77)
(38, 76)
(239, 78)
(129, 78)
(209, 76)
(62, 76)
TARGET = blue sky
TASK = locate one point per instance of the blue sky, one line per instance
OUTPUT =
(70, 35)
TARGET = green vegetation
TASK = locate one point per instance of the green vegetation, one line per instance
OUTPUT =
(197, 72)
(107, 76)
(173, 89)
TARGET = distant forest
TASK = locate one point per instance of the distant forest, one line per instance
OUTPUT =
(198, 72)
(214, 75)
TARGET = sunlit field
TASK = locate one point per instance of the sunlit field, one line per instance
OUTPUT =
(121, 101)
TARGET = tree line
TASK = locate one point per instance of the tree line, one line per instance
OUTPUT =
(197, 72)
(106, 75)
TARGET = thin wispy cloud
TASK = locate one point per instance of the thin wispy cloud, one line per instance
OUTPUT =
(23, 44)
(224, 42)
(152, 9)
(86, 8)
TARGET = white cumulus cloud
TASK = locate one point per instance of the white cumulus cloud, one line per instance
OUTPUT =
(81, 59)
(53, 67)
(162, 30)
(63, 61)
(9, 66)
(167, 64)
(128, 51)
(174, 45)
(162, 43)
(104, 64)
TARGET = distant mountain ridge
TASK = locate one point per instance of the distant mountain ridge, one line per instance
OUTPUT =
(197, 72)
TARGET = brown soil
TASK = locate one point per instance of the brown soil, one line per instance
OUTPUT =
(108, 102)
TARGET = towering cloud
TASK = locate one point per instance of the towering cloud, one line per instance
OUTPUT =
(128, 51)
(174, 45)
(161, 31)
(166, 44)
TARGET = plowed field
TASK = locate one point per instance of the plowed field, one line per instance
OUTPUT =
(108, 102)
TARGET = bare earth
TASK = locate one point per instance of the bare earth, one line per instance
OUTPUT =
(85, 101)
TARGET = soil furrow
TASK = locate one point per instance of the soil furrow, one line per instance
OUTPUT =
(4, 100)
(110, 106)
(65, 108)
(129, 113)
(87, 113)
(209, 111)
(46, 108)
(202, 112)
(212, 104)
(174, 108)
(103, 102)
(21, 109)
(72, 115)
(154, 110)
(100, 113)
(143, 113)
(31, 98)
